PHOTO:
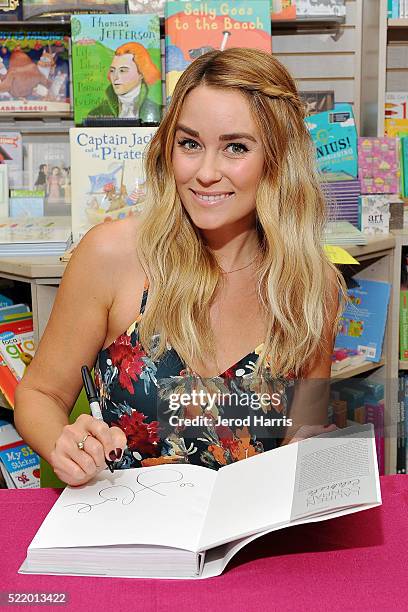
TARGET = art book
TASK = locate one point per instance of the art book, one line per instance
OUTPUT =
(317, 479)
(11, 154)
(335, 137)
(44, 8)
(108, 180)
(374, 217)
(34, 73)
(193, 28)
(362, 324)
(48, 170)
(116, 68)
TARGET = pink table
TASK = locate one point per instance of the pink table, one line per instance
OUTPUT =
(356, 562)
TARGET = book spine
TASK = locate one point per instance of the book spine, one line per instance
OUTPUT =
(403, 325)
(375, 415)
(400, 469)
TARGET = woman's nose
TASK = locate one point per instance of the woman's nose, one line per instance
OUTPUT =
(209, 170)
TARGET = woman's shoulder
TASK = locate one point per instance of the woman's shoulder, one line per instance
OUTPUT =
(110, 247)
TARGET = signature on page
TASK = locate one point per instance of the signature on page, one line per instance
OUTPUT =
(125, 495)
(333, 492)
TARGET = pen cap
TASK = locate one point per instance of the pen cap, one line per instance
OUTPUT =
(89, 386)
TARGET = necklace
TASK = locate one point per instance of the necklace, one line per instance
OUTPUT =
(238, 269)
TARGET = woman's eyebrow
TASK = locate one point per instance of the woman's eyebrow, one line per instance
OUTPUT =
(234, 136)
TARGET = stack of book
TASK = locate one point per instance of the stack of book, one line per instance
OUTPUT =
(344, 233)
(34, 236)
(342, 200)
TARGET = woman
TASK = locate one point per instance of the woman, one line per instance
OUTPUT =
(226, 261)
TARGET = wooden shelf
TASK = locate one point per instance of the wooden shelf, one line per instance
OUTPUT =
(349, 372)
(375, 246)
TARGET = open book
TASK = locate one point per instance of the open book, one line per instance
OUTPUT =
(186, 521)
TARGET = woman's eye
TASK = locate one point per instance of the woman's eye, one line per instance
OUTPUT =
(189, 145)
(237, 148)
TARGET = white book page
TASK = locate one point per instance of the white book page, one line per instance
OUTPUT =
(336, 470)
(162, 505)
(251, 496)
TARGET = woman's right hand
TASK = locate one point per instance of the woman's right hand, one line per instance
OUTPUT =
(77, 466)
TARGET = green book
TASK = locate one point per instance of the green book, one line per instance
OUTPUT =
(116, 68)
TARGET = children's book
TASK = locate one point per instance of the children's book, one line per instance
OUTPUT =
(20, 466)
(34, 236)
(34, 72)
(335, 138)
(309, 481)
(283, 10)
(26, 203)
(17, 350)
(394, 127)
(396, 105)
(318, 101)
(48, 170)
(378, 166)
(8, 380)
(193, 28)
(362, 324)
(116, 68)
(44, 8)
(108, 179)
(11, 10)
(11, 154)
(320, 8)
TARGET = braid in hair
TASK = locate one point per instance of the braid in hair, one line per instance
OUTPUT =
(292, 98)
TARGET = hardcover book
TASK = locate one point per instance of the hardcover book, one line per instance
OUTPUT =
(116, 68)
(48, 170)
(308, 481)
(374, 214)
(193, 28)
(335, 137)
(11, 154)
(108, 180)
(44, 8)
(34, 73)
(11, 10)
(362, 324)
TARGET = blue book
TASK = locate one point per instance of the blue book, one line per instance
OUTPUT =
(15, 309)
(362, 325)
(334, 135)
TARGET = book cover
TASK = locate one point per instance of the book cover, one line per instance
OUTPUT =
(43, 8)
(362, 324)
(403, 325)
(378, 165)
(20, 466)
(35, 236)
(48, 170)
(34, 72)
(193, 28)
(283, 10)
(335, 138)
(374, 217)
(17, 350)
(11, 154)
(396, 103)
(108, 180)
(320, 8)
(8, 380)
(11, 10)
(393, 127)
(26, 203)
(116, 67)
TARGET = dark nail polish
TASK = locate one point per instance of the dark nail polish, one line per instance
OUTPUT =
(118, 453)
(112, 455)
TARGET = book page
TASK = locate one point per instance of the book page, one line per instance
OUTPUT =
(335, 470)
(162, 505)
(251, 496)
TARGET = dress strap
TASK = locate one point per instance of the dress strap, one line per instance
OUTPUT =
(144, 296)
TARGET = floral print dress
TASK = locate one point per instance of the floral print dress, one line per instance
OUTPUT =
(134, 395)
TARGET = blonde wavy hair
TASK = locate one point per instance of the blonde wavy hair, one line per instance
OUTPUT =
(295, 286)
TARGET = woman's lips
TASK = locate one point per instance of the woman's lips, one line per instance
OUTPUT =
(211, 199)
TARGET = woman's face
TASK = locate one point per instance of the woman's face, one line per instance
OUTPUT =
(217, 158)
(123, 74)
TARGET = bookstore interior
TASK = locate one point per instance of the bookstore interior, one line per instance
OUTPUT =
(83, 85)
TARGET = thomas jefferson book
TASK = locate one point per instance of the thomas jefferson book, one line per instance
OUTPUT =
(34, 73)
(116, 68)
(186, 521)
(107, 174)
(193, 28)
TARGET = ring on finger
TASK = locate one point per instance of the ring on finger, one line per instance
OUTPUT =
(80, 444)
